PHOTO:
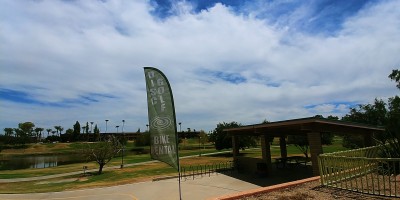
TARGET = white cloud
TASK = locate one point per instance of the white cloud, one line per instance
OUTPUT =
(58, 51)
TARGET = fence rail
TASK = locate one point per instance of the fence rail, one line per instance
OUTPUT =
(193, 171)
(361, 171)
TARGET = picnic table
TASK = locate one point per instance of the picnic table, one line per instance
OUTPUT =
(291, 161)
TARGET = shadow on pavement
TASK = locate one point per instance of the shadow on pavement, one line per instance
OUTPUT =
(276, 176)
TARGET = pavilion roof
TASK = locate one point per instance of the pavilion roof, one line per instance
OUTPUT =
(304, 126)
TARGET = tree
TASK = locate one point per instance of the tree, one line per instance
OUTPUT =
(393, 129)
(96, 132)
(87, 128)
(380, 113)
(103, 151)
(26, 128)
(69, 132)
(395, 76)
(301, 142)
(48, 131)
(38, 132)
(222, 140)
(57, 129)
(373, 114)
(77, 131)
(143, 139)
(203, 137)
(8, 131)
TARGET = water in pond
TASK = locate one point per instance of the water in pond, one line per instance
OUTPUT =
(36, 161)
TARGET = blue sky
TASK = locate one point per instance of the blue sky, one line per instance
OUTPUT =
(227, 60)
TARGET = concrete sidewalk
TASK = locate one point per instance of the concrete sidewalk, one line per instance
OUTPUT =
(198, 189)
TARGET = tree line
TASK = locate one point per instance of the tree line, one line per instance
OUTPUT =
(27, 132)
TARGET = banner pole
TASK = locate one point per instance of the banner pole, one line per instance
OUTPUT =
(179, 179)
(179, 163)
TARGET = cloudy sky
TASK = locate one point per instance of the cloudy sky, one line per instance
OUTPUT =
(227, 60)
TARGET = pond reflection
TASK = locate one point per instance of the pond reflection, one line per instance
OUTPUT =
(36, 161)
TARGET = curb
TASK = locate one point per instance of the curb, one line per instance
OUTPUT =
(264, 189)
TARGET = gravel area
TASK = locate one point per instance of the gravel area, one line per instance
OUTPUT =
(313, 190)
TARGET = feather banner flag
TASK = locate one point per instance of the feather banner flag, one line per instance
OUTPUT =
(162, 120)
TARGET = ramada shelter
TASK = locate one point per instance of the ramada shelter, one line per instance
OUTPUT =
(311, 127)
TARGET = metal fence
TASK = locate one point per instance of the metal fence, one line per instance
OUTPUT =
(194, 171)
(361, 170)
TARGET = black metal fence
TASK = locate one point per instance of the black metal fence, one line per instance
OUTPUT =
(193, 171)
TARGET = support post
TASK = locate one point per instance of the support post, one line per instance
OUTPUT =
(282, 145)
(266, 151)
(235, 146)
(314, 140)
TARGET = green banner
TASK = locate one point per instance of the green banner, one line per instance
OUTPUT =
(162, 120)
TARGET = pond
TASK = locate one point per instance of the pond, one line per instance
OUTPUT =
(14, 162)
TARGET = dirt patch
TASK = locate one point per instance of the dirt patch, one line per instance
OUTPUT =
(203, 160)
(313, 190)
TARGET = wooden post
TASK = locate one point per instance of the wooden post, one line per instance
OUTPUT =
(266, 152)
(282, 144)
(235, 146)
(314, 140)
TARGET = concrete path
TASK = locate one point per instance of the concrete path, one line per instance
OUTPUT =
(198, 189)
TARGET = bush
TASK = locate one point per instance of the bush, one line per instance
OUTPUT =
(353, 141)
(143, 140)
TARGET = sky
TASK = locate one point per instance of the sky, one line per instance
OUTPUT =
(226, 60)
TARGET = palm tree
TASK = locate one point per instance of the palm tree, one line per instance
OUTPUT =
(61, 129)
(48, 131)
(38, 132)
(57, 128)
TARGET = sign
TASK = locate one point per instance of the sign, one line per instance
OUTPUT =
(162, 120)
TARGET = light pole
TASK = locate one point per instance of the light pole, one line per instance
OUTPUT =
(117, 128)
(123, 143)
(180, 127)
(199, 144)
(147, 127)
(106, 125)
(123, 123)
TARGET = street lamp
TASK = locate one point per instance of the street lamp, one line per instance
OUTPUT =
(147, 127)
(180, 127)
(117, 128)
(199, 144)
(106, 125)
(123, 122)
(123, 144)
